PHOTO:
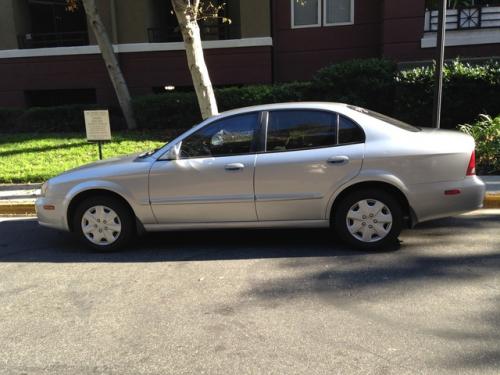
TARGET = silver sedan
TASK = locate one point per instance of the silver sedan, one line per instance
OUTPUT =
(282, 165)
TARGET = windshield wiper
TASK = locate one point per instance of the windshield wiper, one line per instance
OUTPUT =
(148, 153)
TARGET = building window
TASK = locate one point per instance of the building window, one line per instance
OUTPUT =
(338, 12)
(49, 24)
(165, 27)
(306, 13)
(53, 98)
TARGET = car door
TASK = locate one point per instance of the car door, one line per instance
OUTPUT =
(308, 155)
(212, 181)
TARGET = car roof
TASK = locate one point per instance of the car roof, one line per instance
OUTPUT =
(290, 105)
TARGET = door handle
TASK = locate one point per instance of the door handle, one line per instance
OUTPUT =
(234, 167)
(338, 160)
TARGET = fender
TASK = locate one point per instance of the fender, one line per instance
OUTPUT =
(370, 175)
(140, 209)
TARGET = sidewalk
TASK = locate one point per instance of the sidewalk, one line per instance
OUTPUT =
(20, 199)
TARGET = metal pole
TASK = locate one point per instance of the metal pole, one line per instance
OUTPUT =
(99, 144)
(438, 84)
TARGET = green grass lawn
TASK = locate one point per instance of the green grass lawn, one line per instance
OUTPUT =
(38, 157)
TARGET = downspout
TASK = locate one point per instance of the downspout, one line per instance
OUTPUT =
(114, 26)
(274, 52)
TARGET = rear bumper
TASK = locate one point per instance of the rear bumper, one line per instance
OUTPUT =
(429, 201)
(55, 218)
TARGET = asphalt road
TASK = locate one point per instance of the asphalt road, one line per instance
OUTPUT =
(252, 302)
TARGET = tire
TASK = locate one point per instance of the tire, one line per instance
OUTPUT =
(107, 230)
(369, 220)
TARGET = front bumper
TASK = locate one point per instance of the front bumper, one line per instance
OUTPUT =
(429, 201)
(53, 218)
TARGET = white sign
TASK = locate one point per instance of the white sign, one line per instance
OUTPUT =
(97, 125)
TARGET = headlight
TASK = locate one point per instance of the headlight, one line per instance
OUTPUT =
(43, 189)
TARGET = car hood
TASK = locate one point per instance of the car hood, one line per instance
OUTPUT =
(116, 161)
(117, 167)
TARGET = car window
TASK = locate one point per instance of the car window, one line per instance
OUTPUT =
(349, 131)
(300, 129)
(230, 136)
(392, 121)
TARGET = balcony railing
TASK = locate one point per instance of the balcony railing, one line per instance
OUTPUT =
(44, 40)
(172, 34)
(465, 18)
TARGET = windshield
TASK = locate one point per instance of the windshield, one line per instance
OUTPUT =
(395, 122)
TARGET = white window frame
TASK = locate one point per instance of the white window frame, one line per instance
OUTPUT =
(328, 24)
(292, 21)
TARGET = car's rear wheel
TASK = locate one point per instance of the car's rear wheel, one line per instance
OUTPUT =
(104, 223)
(368, 219)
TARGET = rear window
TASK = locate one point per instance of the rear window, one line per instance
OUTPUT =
(349, 132)
(395, 122)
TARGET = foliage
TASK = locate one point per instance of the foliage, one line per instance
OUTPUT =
(36, 158)
(486, 133)
(179, 111)
(175, 111)
(467, 91)
(51, 119)
(366, 83)
(374, 84)
(454, 4)
(8, 118)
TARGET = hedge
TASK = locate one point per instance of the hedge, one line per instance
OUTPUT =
(372, 83)
(468, 90)
(365, 83)
(51, 119)
(180, 110)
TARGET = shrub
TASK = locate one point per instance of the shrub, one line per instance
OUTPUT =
(52, 119)
(371, 83)
(180, 111)
(486, 133)
(366, 83)
(8, 118)
(176, 111)
(294, 92)
(237, 97)
(467, 91)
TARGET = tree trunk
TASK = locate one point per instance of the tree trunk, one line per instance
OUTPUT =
(185, 11)
(115, 73)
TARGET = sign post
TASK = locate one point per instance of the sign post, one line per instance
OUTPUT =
(97, 127)
(438, 79)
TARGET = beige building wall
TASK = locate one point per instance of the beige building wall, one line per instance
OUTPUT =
(127, 21)
(8, 32)
(105, 11)
(21, 16)
(133, 19)
(255, 18)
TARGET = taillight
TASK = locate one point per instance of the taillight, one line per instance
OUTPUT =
(471, 168)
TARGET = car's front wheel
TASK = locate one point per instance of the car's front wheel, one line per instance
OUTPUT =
(370, 220)
(103, 223)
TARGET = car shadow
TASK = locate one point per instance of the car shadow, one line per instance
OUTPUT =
(25, 241)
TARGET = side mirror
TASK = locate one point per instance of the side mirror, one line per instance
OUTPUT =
(174, 153)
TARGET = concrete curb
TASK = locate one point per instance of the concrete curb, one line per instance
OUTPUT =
(11, 187)
(17, 209)
(491, 200)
